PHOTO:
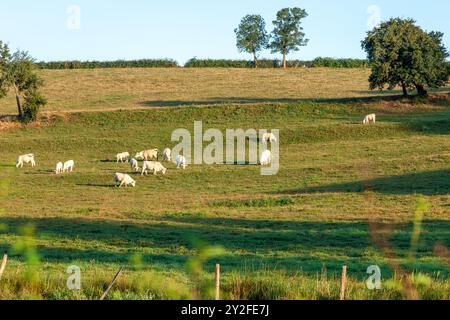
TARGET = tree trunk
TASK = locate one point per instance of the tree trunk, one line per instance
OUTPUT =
(284, 59)
(255, 60)
(421, 90)
(405, 90)
(19, 105)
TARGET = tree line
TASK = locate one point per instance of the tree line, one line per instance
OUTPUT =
(76, 64)
(267, 63)
(204, 63)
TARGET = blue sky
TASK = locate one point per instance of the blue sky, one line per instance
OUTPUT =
(181, 29)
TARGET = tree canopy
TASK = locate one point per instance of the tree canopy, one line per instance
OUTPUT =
(251, 36)
(288, 34)
(17, 72)
(402, 54)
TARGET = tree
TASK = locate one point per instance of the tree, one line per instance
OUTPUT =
(251, 36)
(5, 57)
(17, 71)
(33, 102)
(402, 54)
(288, 34)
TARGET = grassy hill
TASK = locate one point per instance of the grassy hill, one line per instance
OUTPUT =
(114, 89)
(345, 194)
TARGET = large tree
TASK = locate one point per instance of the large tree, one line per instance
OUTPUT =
(288, 34)
(251, 36)
(402, 54)
(17, 72)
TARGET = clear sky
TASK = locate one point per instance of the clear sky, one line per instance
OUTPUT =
(182, 29)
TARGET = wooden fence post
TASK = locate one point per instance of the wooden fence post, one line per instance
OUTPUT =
(111, 284)
(343, 282)
(3, 265)
(217, 281)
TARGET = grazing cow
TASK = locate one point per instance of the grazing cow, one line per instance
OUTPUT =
(167, 155)
(152, 166)
(59, 168)
(147, 154)
(124, 180)
(122, 157)
(134, 164)
(26, 158)
(68, 166)
(181, 162)
(370, 118)
(269, 137)
(266, 158)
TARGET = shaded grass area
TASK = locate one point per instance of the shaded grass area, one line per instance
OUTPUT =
(291, 246)
(425, 183)
(258, 203)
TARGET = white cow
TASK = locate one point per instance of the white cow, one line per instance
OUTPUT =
(370, 118)
(122, 157)
(134, 164)
(124, 180)
(68, 166)
(269, 137)
(167, 155)
(147, 154)
(59, 168)
(152, 166)
(266, 158)
(26, 158)
(181, 162)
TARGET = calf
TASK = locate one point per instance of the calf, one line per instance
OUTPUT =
(26, 158)
(124, 180)
(370, 118)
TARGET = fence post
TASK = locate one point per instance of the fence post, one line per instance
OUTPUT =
(3, 265)
(111, 284)
(217, 281)
(343, 282)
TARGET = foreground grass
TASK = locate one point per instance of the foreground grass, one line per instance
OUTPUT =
(343, 190)
(135, 284)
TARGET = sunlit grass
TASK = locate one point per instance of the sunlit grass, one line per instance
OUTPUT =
(281, 237)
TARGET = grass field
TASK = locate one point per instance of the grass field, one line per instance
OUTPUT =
(345, 193)
(114, 89)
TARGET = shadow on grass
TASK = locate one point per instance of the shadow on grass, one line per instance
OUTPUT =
(239, 163)
(367, 96)
(109, 161)
(2, 165)
(9, 117)
(97, 185)
(40, 172)
(275, 244)
(237, 100)
(431, 123)
(400, 92)
(425, 183)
